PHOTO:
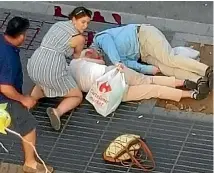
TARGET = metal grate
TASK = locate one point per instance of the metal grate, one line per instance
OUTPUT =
(178, 145)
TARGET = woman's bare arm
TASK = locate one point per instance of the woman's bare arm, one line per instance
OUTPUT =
(78, 43)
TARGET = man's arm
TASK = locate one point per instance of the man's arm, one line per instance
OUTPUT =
(106, 43)
(145, 69)
(7, 79)
(11, 93)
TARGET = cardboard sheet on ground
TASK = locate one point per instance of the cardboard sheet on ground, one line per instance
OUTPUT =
(203, 106)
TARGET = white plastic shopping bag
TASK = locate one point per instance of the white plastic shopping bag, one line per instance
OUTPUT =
(187, 52)
(107, 92)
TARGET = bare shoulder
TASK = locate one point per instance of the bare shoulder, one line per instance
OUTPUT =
(76, 40)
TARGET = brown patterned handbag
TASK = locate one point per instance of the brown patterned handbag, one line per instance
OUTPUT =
(129, 149)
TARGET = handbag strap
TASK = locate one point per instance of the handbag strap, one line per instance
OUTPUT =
(146, 151)
(149, 154)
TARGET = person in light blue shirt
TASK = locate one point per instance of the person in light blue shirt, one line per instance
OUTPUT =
(121, 45)
(127, 44)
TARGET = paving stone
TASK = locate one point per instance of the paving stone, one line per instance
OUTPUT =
(173, 113)
(3, 14)
(1, 22)
(10, 168)
(3, 28)
(159, 111)
(144, 109)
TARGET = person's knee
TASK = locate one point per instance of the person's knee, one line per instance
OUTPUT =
(80, 95)
(75, 92)
(29, 133)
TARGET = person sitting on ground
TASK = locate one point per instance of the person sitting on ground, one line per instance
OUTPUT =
(127, 44)
(90, 66)
(47, 67)
(11, 80)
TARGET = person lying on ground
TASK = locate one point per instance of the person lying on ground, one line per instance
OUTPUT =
(88, 68)
(127, 44)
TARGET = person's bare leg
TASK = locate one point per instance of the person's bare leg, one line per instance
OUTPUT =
(28, 150)
(179, 83)
(30, 163)
(70, 101)
(37, 93)
(187, 94)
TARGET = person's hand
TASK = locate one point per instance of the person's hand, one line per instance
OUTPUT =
(120, 66)
(102, 62)
(155, 70)
(28, 101)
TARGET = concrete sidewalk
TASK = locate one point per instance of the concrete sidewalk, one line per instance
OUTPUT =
(186, 137)
(198, 11)
(177, 25)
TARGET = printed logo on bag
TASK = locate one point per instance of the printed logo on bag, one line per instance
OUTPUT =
(105, 87)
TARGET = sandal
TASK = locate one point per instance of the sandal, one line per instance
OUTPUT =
(39, 169)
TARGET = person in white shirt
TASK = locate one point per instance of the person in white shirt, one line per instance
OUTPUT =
(90, 66)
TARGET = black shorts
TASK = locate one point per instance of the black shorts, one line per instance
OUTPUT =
(22, 121)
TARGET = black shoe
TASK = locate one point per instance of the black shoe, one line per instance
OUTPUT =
(188, 84)
(202, 85)
(209, 75)
(198, 96)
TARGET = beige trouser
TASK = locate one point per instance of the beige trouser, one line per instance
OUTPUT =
(156, 50)
(146, 87)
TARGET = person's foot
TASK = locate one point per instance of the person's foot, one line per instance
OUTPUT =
(201, 85)
(54, 118)
(198, 96)
(38, 169)
(209, 75)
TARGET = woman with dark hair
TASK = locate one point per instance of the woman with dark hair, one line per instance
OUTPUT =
(47, 67)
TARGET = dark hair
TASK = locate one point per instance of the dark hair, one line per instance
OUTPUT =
(80, 12)
(17, 26)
